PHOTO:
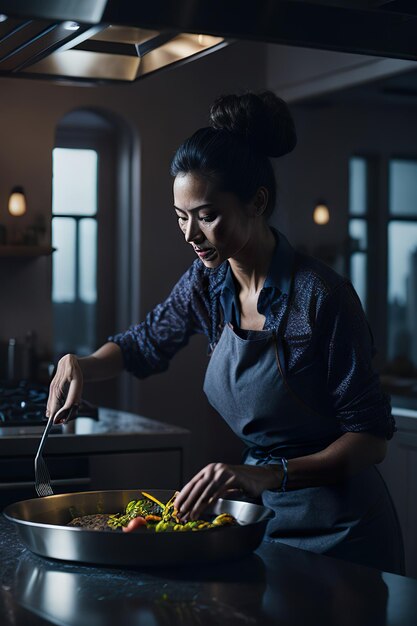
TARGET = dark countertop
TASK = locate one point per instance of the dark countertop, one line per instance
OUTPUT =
(276, 585)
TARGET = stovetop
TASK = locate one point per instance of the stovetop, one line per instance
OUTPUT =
(22, 401)
(23, 404)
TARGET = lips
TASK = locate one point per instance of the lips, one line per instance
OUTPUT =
(203, 252)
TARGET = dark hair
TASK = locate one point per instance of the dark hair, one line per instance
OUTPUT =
(234, 150)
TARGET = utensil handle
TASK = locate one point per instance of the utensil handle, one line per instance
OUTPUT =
(69, 414)
(44, 435)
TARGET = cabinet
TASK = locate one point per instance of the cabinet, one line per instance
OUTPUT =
(399, 470)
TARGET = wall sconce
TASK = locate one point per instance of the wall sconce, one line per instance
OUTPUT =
(17, 202)
(321, 213)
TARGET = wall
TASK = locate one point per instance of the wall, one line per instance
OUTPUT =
(161, 111)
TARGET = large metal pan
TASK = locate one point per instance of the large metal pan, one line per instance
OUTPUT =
(41, 524)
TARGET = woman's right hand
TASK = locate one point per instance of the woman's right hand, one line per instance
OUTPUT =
(65, 389)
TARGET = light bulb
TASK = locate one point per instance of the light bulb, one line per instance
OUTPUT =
(17, 202)
(321, 214)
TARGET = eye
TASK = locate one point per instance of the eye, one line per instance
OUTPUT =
(208, 218)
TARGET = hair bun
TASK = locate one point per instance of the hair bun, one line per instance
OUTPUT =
(263, 119)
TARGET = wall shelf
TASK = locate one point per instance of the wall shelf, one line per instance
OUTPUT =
(25, 251)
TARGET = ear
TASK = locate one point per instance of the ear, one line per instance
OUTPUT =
(259, 202)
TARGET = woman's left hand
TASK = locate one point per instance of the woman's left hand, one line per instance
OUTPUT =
(216, 479)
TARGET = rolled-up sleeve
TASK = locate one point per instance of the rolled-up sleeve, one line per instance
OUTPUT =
(353, 385)
(148, 347)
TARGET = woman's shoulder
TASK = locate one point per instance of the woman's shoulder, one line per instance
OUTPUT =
(315, 282)
(316, 273)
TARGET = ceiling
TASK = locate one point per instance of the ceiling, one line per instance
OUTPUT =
(126, 40)
(399, 90)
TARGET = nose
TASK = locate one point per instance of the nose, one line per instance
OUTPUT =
(192, 230)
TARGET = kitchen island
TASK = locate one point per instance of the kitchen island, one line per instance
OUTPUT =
(275, 585)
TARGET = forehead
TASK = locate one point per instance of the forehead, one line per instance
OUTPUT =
(193, 190)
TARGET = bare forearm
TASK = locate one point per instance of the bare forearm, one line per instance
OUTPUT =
(104, 363)
(346, 456)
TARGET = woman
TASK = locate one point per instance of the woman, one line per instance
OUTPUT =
(290, 367)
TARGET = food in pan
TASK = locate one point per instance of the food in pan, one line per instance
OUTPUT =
(151, 514)
(99, 521)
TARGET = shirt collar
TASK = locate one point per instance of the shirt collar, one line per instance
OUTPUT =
(280, 270)
(278, 279)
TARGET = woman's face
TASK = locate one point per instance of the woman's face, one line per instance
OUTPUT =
(216, 223)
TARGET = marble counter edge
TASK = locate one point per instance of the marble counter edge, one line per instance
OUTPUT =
(115, 431)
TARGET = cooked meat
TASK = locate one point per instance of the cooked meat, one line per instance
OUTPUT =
(91, 522)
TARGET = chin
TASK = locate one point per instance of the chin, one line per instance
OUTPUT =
(213, 263)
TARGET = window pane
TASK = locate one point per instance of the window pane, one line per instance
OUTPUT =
(358, 263)
(358, 234)
(402, 290)
(63, 268)
(403, 187)
(358, 186)
(88, 260)
(74, 183)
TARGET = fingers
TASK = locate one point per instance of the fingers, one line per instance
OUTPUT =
(65, 390)
(57, 395)
(69, 409)
(206, 487)
(66, 413)
(187, 489)
(217, 479)
(212, 492)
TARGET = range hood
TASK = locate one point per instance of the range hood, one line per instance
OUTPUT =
(126, 40)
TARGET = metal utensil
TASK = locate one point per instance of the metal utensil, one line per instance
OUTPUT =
(42, 526)
(42, 477)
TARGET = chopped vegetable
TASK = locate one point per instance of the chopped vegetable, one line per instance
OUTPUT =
(153, 514)
(153, 518)
(148, 495)
(224, 519)
(135, 523)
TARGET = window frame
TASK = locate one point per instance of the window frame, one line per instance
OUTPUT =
(376, 250)
(390, 218)
(359, 217)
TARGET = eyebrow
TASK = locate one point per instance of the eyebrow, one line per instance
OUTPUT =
(197, 208)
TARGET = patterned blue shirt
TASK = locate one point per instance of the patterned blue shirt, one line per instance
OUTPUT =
(317, 313)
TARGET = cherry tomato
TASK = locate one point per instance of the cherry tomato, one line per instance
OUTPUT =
(134, 524)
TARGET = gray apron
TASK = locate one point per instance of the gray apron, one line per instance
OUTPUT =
(352, 519)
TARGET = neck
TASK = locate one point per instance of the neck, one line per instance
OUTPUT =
(250, 266)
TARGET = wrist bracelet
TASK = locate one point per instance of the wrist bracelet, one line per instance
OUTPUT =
(284, 464)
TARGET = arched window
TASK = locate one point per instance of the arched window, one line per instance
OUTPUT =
(91, 212)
